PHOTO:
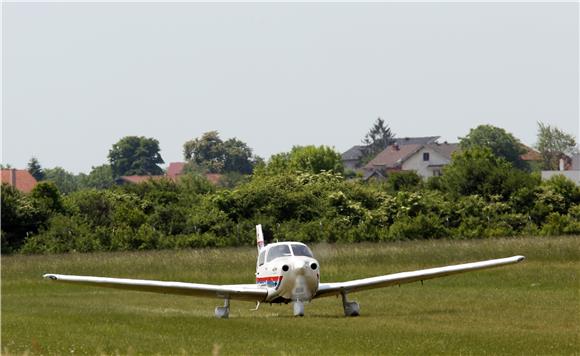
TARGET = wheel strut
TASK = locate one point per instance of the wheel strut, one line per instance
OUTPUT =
(223, 312)
(350, 308)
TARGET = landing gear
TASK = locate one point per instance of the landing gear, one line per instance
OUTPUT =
(223, 312)
(298, 308)
(350, 308)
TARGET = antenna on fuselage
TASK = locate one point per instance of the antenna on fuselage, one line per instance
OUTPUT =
(259, 237)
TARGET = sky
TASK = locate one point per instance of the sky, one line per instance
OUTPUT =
(77, 77)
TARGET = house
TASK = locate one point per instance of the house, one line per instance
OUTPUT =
(174, 172)
(427, 160)
(351, 159)
(569, 168)
(20, 179)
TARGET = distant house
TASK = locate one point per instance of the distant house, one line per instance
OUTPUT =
(427, 160)
(175, 169)
(351, 159)
(20, 179)
(174, 172)
(569, 168)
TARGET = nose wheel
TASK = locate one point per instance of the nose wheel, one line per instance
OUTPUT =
(298, 308)
(350, 308)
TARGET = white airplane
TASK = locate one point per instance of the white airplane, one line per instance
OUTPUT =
(286, 272)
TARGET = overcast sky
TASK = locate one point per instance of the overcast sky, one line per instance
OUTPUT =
(78, 77)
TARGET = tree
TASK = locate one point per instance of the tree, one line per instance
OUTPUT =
(209, 153)
(552, 144)
(477, 171)
(134, 155)
(66, 182)
(501, 143)
(308, 159)
(377, 139)
(35, 169)
(237, 156)
(101, 177)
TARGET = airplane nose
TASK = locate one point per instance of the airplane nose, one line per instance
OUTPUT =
(300, 266)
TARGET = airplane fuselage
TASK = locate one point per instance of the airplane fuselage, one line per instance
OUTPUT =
(289, 272)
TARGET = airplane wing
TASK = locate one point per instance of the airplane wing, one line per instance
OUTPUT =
(247, 292)
(329, 289)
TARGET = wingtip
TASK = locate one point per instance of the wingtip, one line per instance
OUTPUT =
(50, 276)
(521, 258)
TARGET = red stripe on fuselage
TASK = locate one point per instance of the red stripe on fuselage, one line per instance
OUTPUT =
(269, 279)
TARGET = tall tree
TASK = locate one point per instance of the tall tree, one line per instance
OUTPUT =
(377, 139)
(501, 143)
(210, 153)
(552, 144)
(35, 169)
(134, 155)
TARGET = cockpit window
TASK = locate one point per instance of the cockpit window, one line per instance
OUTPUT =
(301, 250)
(278, 251)
(261, 258)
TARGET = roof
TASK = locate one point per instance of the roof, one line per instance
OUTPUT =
(373, 173)
(416, 140)
(175, 169)
(356, 152)
(393, 157)
(213, 178)
(444, 149)
(25, 182)
(353, 153)
(531, 154)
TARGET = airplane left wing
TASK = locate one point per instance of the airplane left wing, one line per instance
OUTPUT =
(247, 292)
(329, 289)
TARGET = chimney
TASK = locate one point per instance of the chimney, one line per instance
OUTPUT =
(561, 165)
(13, 177)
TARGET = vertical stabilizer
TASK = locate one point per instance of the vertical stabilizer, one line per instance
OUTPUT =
(259, 237)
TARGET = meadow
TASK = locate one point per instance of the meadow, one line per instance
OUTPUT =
(529, 308)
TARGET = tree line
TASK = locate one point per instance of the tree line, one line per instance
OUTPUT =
(297, 195)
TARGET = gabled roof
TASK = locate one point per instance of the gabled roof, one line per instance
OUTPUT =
(444, 149)
(416, 140)
(531, 154)
(175, 169)
(393, 156)
(356, 152)
(353, 153)
(20, 179)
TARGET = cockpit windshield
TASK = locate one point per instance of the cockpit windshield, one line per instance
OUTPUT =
(301, 250)
(278, 251)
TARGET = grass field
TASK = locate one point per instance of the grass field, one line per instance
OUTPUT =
(529, 308)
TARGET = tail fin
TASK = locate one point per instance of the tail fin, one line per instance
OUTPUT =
(259, 237)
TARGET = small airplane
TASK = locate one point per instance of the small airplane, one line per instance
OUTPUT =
(286, 272)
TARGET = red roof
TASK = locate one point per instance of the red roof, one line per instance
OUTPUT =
(531, 154)
(393, 156)
(175, 169)
(213, 178)
(21, 179)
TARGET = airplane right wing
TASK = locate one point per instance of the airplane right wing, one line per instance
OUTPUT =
(247, 292)
(329, 289)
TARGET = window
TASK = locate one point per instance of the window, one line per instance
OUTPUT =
(301, 250)
(261, 258)
(278, 251)
(436, 172)
(425, 156)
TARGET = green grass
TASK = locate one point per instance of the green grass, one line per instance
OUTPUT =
(529, 308)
